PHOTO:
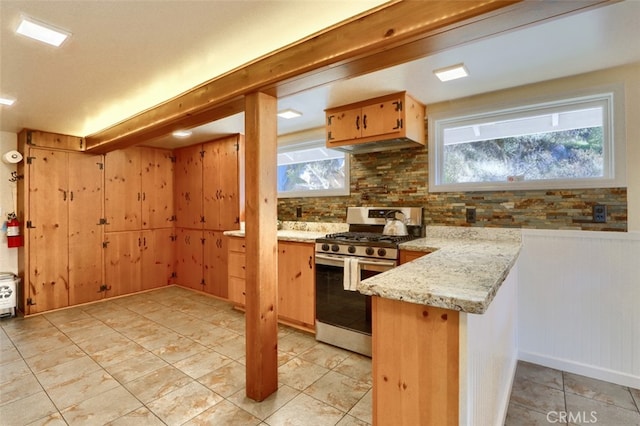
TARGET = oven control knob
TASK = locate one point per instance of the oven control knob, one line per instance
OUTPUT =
(382, 252)
(335, 247)
(351, 249)
(369, 251)
(325, 247)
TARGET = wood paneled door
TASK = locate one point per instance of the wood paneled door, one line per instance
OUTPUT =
(188, 187)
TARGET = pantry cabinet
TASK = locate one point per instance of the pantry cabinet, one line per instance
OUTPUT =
(189, 259)
(138, 189)
(188, 187)
(214, 264)
(138, 260)
(296, 280)
(60, 200)
(397, 117)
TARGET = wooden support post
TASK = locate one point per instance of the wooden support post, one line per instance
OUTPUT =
(261, 246)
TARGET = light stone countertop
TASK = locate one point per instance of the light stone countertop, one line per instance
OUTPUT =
(304, 232)
(463, 273)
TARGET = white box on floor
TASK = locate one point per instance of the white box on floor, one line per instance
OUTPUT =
(8, 288)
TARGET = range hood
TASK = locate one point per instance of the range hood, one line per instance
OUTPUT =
(390, 122)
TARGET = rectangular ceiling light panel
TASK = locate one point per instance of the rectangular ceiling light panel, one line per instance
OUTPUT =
(41, 32)
(452, 72)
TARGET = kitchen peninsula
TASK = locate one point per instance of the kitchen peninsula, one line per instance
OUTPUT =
(435, 361)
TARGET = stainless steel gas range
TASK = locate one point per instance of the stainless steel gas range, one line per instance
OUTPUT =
(343, 316)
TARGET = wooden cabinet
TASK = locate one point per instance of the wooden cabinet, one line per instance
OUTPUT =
(188, 187)
(189, 260)
(296, 280)
(36, 138)
(61, 199)
(138, 260)
(397, 117)
(236, 270)
(214, 263)
(409, 255)
(138, 189)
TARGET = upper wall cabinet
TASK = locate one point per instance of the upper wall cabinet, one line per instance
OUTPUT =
(389, 122)
(209, 185)
(138, 189)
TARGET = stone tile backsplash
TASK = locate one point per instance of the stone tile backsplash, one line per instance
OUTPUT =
(400, 178)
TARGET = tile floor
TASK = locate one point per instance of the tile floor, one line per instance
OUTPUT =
(173, 356)
(544, 396)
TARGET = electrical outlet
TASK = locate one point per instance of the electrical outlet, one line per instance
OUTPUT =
(599, 213)
(471, 215)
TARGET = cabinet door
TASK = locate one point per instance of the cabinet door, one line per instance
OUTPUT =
(122, 190)
(211, 186)
(188, 187)
(48, 286)
(158, 250)
(85, 232)
(157, 188)
(344, 125)
(123, 256)
(215, 264)
(382, 118)
(236, 270)
(221, 184)
(296, 282)
(189, 251)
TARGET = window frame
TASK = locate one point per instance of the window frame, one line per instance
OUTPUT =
(316, 143)
(613, 134)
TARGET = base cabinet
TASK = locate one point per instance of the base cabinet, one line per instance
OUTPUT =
(296, 280)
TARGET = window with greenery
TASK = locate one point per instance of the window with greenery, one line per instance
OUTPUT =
(565, 144)
(311, 170)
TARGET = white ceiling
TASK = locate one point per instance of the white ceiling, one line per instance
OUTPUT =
(127, 56)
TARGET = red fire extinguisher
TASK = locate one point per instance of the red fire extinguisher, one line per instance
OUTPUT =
(14, 239)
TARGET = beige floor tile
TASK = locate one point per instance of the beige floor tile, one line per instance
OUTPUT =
(270, 405)
(202, 363)
(38, 345)
(8, 353)
(84, 387)
(49, 359)
(296, 343)
(102, 408)
(590, 411)
(357, 367)
(599, 390)
(325, 355)
(13, 370)
(19, 325)
(338, 390)
(118, 353)
(54, 419)
(27, 410)
(539, 374)
(18, 388)
(299, 374)
(93, 345)
(135, 367)
(363, 410)
(140, 417)
(351, 421)
(66, 316)
(158, 383)
(181, 405)
(178, 349)
(305, 410)
(93, 331)
(224, 413)
(518, 415)
(233, 347)
(226, 380)
(237, 326)
(537, 397)
(67, 372)
(154, 339)
(76, 323)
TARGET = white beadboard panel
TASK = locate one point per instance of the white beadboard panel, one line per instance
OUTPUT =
(488, 357)
(579, 303)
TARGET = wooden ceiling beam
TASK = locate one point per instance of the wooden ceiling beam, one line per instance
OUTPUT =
(391, 34)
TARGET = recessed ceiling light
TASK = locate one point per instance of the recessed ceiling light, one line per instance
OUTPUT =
(289, 113)
(6, 101)
(451, 73)
(182, 133)
(41, 32)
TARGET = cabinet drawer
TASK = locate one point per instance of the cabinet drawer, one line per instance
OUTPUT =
(236, 244)
(237, 264)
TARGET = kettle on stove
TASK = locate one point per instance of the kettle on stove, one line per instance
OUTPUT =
(395, 226)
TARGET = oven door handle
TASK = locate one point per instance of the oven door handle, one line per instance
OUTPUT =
(324, 259)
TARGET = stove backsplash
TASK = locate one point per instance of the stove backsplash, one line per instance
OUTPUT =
(405, 175)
